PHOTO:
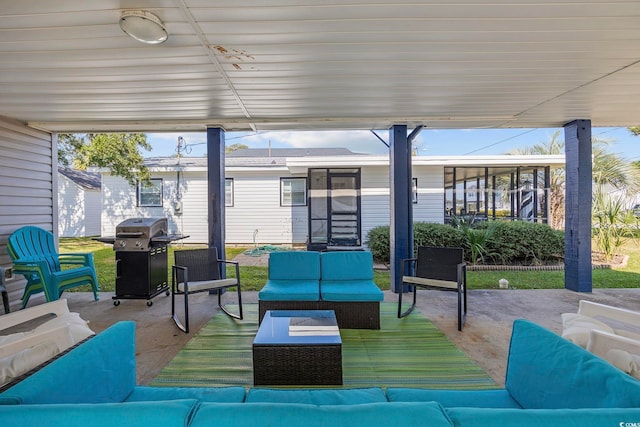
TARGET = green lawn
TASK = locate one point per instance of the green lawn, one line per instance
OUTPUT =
(253, 278)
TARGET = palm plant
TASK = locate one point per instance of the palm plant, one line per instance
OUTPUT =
(475, 239)
(612, 221)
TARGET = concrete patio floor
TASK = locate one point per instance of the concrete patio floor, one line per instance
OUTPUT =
(485, 337)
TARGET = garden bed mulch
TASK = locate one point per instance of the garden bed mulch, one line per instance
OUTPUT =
(597, 261)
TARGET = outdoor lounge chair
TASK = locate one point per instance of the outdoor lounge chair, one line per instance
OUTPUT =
(34, 255)
(436, 268)
(200, 270)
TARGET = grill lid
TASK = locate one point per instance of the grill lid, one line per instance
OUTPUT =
(142, 227)
(140, 234)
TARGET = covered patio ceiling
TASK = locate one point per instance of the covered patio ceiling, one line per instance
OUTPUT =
(66, 65)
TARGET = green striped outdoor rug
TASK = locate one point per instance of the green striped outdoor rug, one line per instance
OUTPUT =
(407, 352)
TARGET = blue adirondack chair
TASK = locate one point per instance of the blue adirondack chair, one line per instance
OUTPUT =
(34, 256)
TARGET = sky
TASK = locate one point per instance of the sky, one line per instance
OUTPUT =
(430, 142)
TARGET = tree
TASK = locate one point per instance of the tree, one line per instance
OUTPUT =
(235, 147)
(610, 169)
(68, 145)
(118, 152)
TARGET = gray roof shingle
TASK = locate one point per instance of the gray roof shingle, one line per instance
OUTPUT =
(87, 180)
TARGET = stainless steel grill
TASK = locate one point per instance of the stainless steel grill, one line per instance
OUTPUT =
(140, 234)
(140, 245)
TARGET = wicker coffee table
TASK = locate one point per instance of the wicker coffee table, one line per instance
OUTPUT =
(280, 358)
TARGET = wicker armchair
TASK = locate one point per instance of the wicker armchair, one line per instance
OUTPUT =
(199, 270)
(436, 268)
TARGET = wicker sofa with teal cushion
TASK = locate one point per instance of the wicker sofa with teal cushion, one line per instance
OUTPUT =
(550, 382)
(338, 281)
(102, 369)
(544, 371)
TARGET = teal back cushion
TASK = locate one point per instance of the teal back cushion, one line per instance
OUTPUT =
(349, 265)
(454, 398)
(301, 415)
(482, 417)
(174, 413)
(294, 265)
(545, 370)
(100, 370)
(201, 394)
(318, 396)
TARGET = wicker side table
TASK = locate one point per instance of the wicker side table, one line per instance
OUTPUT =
(282, 359)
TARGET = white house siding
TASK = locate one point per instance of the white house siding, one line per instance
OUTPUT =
(79, 209)
(256, 207)
(256, 211)
(256, 216)
(26, 187)
(375, 196)
(119, 202)
(430, 206)
(194, 196)
(93, 212)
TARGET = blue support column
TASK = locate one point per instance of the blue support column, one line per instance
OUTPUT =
(215, 181)
(577, 241)
(401, 202)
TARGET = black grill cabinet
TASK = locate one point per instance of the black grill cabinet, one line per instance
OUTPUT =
(141, 251)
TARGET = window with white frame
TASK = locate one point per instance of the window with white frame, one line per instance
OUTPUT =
(228, 191)
(293, 191)
(414, 190)
(150, 194)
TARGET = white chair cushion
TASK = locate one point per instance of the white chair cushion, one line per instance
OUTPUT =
(625, 361)
(208, 284)
(576, 328)
(78, 327)
(14, 365)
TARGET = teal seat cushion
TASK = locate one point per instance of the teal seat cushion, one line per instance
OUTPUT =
(301, 415)
(202, 394)
(483, 417)
(545, 370)
(455, 398)
(317, 396)
(100, 370)
(173, 413)
(294, 265)
(354, 290)
(290, 290)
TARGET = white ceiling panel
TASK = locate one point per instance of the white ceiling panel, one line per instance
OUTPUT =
(65, 65)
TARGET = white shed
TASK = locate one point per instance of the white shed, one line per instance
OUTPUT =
(79, 203)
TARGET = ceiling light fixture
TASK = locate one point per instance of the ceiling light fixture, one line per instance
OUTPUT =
(143, 26)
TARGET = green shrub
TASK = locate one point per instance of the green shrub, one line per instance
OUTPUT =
(379, 243)
(430, 234)
(512, 242)
(521, 242)
(424, 234)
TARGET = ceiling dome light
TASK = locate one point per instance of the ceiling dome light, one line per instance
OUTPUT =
(143, 26)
